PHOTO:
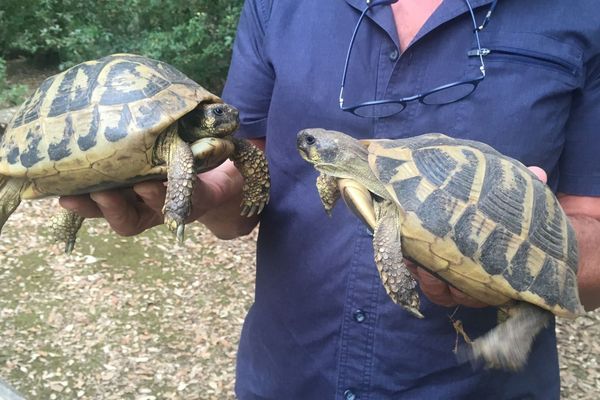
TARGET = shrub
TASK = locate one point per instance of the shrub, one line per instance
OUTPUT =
(193, 35)
(10, 95)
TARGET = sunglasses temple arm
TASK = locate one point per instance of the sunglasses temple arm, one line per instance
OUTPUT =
(341, 98)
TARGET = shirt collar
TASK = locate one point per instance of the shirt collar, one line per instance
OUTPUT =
(447, 11)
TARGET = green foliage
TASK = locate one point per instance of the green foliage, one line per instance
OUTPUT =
(10, 95)
(193, 35)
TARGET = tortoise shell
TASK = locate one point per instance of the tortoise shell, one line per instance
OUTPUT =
(481, 221)
(96, 122)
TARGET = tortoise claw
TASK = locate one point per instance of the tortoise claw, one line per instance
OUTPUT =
(69, 246)
(415, 312)
(175, 225)
(249, 210)
(180, 230)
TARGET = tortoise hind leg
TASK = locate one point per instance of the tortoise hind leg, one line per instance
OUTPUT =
(507, 346)
(64, 227)
(10, 197)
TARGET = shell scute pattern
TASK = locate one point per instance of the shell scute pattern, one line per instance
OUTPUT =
(125, 83)
(75, 89)
(136, 96)
(488, 208)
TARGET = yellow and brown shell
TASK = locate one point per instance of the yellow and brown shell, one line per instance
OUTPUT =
(96, 122)
(480, 220)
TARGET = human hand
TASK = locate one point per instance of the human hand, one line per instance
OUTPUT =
(438, 291)
(128, 211)
(131, 211)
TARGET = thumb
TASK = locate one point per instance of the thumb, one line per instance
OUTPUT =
(540, 173)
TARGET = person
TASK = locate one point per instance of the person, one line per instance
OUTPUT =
(523, 77)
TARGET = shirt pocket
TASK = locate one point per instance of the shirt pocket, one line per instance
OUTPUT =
(525, 99)
(510, 52)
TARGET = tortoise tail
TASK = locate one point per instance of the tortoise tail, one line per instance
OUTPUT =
(10, 197)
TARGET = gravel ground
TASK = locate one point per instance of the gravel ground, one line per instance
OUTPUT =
(121, 318)
(143, 318)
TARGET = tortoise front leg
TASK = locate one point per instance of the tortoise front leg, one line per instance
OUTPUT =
(181, 177)
(252, 164)
(64, 227)
(397, 280)
(327, 186)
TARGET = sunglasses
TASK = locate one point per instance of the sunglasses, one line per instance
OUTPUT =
(444, 94)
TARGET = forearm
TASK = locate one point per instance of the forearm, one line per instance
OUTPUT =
(588, 236)
(223, 218)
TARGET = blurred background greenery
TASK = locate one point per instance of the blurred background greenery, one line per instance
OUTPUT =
(196, 36)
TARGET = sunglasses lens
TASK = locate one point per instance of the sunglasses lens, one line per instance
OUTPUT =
(450, 94)
(379, 110)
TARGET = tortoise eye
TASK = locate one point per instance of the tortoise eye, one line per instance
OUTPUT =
(218, 111)
(310, 140)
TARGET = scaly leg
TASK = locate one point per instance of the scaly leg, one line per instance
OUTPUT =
(64, 227)
(252, 164)
(181, 177)
(397, 280)
(10, 197)
(328, 191)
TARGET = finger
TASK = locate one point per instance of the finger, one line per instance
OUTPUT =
(205, 193)
(435, 289)
(540, 173)
(152, 193)
(464, 299)
(82, 205)
(125, 215)
(412, 268)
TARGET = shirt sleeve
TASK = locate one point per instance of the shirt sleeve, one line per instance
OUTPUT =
(580, 159)
(250, 79)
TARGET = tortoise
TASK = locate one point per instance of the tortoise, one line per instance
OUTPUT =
(475, 218)
(115, 121)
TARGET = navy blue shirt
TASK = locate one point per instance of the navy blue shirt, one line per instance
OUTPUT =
(322, 326)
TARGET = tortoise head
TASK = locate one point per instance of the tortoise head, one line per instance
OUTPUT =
(333, 152)
(210, 120)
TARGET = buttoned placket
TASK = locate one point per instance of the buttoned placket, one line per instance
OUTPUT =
(364, 289)
(364, 284)
(358, 327)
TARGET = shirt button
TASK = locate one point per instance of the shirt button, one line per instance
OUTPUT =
(394, 55)
(359, 315)
(349, 395)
